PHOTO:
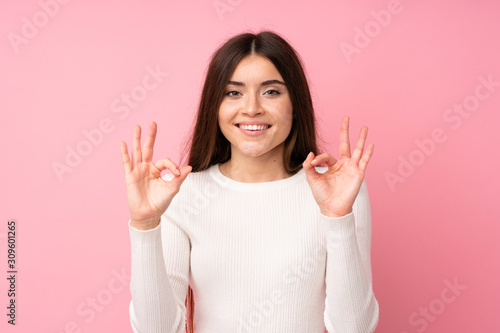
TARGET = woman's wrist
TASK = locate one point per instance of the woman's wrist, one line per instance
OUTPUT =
(145, 225)
(331, 213)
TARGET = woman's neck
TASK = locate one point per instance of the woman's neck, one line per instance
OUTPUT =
(252, 170)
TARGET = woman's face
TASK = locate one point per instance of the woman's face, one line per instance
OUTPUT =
(256, 95)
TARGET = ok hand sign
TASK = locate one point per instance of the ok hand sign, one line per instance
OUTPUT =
(148, 194)
(337, 188)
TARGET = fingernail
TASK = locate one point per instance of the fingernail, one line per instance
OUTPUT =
(177, 172)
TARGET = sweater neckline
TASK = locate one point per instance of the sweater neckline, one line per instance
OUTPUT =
(230, 183)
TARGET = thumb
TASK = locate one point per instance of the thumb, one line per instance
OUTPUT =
(184, 172)
(309, 169)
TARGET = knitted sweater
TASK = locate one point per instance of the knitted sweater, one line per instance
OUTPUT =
(260, 257)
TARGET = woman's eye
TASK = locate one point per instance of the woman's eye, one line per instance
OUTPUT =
(232, 93)
(272, 92)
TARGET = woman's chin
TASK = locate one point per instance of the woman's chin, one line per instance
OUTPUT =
(252, 149)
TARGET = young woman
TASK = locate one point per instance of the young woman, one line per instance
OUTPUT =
(259, 238)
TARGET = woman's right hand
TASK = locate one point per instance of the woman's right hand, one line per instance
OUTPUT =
(148, 194)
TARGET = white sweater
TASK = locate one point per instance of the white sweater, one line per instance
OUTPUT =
(260, 257)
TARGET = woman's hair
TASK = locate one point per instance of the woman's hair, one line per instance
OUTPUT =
(208, 146)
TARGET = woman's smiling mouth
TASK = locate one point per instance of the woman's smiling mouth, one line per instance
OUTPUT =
(253, 130)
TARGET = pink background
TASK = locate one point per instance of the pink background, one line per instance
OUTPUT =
(433, 203)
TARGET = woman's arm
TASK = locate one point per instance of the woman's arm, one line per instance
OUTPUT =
(350, 304)
(160, 252)
(159, 278)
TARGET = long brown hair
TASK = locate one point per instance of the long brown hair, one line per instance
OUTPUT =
(208, 146)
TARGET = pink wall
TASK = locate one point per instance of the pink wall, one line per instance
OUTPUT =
(415, 72)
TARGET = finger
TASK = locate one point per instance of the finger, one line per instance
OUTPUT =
(147, 150)
(127, 165)
(326, 158)
(166, 163)
(366, 157)
(136, 146)
(345, 146)
(360, 145)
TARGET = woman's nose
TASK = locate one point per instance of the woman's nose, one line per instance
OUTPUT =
(253, 105)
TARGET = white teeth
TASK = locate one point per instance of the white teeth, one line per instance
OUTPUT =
(254, 127)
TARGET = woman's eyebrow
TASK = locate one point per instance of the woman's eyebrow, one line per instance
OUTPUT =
(265, 83)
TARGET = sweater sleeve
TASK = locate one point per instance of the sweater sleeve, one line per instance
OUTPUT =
(159, 278)
(350, 305)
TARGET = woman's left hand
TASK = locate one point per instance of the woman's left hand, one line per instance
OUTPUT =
(337, 188)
